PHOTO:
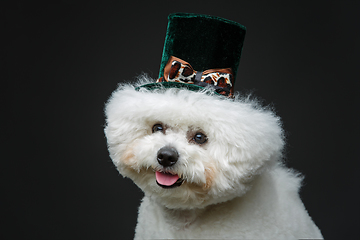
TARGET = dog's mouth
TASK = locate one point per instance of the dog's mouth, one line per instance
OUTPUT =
(168, 180)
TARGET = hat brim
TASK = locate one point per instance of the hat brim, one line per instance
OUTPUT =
(191, 87)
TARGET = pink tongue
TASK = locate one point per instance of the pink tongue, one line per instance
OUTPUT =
(166, 179)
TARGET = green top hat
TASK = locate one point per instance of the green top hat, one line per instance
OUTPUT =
(200, 50)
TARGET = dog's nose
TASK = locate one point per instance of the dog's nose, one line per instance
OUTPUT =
(167, 156)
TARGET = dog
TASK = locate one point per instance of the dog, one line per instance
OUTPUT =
(210, 167)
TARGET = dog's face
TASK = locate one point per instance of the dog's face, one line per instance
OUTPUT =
(188, 149)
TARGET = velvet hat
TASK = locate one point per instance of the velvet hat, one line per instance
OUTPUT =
(200, 51)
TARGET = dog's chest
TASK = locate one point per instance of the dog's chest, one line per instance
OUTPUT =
(155, 222)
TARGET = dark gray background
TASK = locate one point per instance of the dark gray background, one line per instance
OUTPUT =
(61, 61)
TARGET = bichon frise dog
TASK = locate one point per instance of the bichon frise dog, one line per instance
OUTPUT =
(210, 166)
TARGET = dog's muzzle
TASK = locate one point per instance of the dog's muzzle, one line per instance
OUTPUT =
(167, 157)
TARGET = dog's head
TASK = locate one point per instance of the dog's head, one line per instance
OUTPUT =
(189, 149)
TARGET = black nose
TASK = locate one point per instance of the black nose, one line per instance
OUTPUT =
(167, 156)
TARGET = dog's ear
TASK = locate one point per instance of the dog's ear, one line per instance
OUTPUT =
(247, 133)
(123, 122)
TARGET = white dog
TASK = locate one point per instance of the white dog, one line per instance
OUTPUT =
(210, 166)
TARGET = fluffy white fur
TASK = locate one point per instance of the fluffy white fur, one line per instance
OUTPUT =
(235, 185)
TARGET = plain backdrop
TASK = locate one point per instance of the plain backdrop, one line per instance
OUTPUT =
(61, 61)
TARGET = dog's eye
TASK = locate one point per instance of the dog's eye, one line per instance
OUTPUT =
(200, 138)
(157, 128)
